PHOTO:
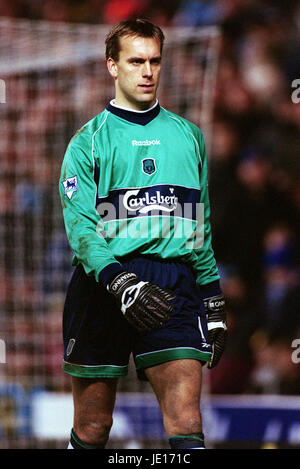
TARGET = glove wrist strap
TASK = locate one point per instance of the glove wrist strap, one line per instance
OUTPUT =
(119, 280)
(215, 303)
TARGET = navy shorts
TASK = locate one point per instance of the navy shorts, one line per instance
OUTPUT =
(98, 340)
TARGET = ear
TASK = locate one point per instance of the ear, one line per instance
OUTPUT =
(112, 67)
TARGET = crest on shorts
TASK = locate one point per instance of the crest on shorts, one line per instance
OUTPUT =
(70, 346)
(70, 186)
(148, 166)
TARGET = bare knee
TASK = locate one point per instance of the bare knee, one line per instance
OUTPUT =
(94, 431)
(184, 423)
(93, 409)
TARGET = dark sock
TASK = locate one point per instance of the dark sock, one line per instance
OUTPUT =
(77, 443)
(191, 441)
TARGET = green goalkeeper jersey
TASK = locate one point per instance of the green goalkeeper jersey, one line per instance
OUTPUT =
(135, 183)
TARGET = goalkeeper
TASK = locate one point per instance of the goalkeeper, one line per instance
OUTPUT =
(135, 202)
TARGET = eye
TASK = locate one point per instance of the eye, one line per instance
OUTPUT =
(137, 61)
(156, 61)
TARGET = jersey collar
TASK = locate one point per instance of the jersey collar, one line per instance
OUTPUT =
(136, 117)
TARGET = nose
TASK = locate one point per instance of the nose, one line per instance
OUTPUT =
(147, 70)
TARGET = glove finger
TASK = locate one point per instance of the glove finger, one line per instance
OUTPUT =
(163, 293)
(162, 311)
(137, 323)
(148, 318)
(164, 303)
(157, 311)
(159, 308)
(214, 360)
(218, 348)
(147, 315)
(214, 334)
(169, 295)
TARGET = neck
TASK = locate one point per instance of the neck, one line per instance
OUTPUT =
(122, 101)
(133, 116)
(128, 107)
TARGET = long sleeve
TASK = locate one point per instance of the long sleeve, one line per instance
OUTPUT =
(205, 264)
(83, 224)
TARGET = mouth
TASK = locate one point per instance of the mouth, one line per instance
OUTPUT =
(147, 87)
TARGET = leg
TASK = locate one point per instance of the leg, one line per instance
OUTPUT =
(177, 385)
(94, 401)
(96, 359)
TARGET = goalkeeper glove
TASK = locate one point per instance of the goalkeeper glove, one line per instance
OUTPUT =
(146, 306)
(217, 327)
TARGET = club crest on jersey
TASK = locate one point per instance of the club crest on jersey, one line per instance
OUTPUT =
(70, 186)
(148, 166)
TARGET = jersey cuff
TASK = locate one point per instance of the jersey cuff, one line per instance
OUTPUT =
(210, 289)
(109, 273)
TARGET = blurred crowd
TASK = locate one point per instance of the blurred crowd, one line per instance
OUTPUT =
(254, 170)
(255, 195)
(91, 11)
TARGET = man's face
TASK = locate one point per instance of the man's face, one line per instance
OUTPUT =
(137, 72)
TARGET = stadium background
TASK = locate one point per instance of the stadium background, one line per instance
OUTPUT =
(254, 147)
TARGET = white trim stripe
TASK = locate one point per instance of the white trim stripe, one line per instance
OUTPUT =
(200, 329)
(146, 187)
(174, 348)
(199, 154)
(95, 366)
(93, 158)
(94, 134)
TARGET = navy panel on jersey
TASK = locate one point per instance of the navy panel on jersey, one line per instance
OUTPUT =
(159, 199)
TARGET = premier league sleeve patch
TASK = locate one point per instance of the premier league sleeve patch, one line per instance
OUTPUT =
(70, 186)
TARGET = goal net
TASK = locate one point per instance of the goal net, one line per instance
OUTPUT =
(53, 79)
